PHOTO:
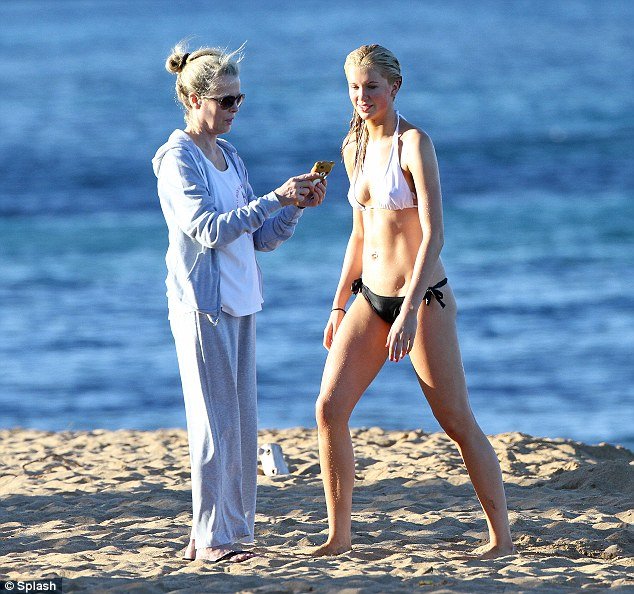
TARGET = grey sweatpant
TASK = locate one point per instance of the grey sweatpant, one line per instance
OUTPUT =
(217, 368)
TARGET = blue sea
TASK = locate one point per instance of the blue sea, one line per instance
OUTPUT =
(531, 110)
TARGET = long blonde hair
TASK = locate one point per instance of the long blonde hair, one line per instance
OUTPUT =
(385, 62)
(198, 72)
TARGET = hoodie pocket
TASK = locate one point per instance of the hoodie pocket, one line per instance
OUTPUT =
(198, 274)
(199, 288)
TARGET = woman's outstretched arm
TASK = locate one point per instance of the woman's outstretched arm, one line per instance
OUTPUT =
(186, 200)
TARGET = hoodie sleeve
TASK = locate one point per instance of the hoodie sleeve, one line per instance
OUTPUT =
(275, 230)
(185, 198)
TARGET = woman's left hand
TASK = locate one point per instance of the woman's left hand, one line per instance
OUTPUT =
(400, 339)
(316, 195)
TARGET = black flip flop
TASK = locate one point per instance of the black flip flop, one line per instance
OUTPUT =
(229, 554)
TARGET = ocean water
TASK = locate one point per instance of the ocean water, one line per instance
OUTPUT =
(529, 105)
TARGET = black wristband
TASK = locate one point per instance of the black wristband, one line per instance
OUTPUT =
(338, 309)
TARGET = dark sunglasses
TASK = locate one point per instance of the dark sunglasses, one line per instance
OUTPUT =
(228, 101)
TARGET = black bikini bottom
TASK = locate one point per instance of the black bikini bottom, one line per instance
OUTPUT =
(388, 308)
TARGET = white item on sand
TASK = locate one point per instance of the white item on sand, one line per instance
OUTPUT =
(272, 459)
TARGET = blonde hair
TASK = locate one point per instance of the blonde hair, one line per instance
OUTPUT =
(384, 61)
(198, 72)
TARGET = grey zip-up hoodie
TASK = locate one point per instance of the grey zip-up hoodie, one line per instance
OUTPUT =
(196, 227)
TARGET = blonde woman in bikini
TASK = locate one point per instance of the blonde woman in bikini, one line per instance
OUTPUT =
(405, 305)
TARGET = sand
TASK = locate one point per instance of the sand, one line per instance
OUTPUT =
(109, 512)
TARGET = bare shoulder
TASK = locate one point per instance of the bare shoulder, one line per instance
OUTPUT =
(415, 141)
(417, 154)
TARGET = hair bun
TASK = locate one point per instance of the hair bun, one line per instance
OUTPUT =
(176, 62)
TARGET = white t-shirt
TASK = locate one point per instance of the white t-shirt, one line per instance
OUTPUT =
(240, 293)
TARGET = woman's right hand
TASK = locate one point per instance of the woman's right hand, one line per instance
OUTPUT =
(296, 188)
(332, 326)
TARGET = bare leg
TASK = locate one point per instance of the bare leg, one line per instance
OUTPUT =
(438, 365)
(356, 356)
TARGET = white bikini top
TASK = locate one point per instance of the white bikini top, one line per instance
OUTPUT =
(394, 191)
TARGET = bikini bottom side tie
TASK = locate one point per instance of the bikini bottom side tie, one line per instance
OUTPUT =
(434, 293)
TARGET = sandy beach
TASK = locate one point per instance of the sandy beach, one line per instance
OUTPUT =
(109, 512)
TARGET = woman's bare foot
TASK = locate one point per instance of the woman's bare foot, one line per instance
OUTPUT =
(490, 551)
(216, 554)
(331, 549)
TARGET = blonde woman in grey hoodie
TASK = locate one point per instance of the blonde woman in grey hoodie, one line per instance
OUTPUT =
(214, 288)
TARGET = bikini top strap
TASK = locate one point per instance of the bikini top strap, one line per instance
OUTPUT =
(394, 149)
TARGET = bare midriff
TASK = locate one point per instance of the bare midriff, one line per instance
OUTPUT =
(391, 240)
